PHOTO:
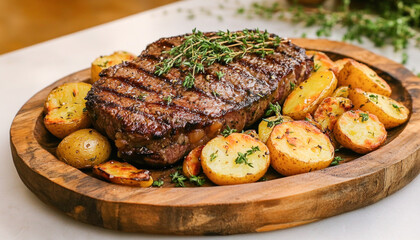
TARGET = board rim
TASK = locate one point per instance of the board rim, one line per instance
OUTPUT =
(372, 168)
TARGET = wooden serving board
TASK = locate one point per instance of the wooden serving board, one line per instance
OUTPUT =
(262, 206)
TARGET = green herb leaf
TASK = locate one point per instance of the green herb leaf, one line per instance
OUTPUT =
(157, 183)
(243, 157)
(197, 180)
(228, 131)
(336, 161)
(213, 156)
(273, 108)
(178, 179)
(364, 116)
(272, 123)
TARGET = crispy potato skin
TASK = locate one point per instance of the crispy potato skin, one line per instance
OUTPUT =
(390, 112)
(329, 110)
(252, 133)
(264, 131)
(104, 62)
(123, 174)
(361, 136)
(84, 148)
(299, 147)
(192, 163)
(218, 159)
(339, 64)
(65, 109)
(342, 91)
(358, 75)
(306, 98)
(322, 62)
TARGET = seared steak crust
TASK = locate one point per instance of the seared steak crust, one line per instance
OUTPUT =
(156, 120)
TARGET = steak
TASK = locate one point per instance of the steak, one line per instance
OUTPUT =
(155, 120)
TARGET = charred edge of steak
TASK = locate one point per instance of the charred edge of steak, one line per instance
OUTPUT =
(128, 102)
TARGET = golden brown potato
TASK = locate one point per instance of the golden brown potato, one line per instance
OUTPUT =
(123, 173)
(358, 75)
(252, 133)
(192, 163)
(322, 62)
(390, 112)
(84, 148)
(339, 64)
(267, 124)
(329, 110)
(235, 159)
(359, 131)
(65, 109)
(306, 98)
(104, 62)
(299, 147)
(342, 91)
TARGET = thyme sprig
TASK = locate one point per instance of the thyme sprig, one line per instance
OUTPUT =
(243, 157)
(199, 50)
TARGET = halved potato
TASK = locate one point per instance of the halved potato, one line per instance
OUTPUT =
(104, 62)
(235, 159)
(329, 110)
(123, 173)
(342, 91)
(390, 112)
(322, 62)
(192, 163)
(306, 98)
(84, 148)
(267, 124)
(299, 147)
(252, 133)
(65, 109)
(358, 75)
(339, 64)
(359, 131)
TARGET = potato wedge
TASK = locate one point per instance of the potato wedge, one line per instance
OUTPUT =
(359, 131)
(358, 75)
(322, 62)
(235, 159)
(339, 64)
(390, 112)
(84, 148)
(104, 62)
(329, 110)
(65, 109)
(267, 124)
(306, 98)
(124, 174)
(342, 91)
(192, 163)
(299, 147)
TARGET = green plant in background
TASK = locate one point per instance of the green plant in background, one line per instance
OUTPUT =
(391, 22)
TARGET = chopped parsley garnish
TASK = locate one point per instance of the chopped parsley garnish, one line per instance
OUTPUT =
(364, 116)
(273, 108)
(336, 161)
(243, 157)
(228, 131)
(373, 98)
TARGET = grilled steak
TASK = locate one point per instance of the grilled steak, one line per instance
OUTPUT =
(156, 120)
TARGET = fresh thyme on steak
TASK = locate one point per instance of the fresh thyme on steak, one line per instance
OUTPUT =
(130, 101)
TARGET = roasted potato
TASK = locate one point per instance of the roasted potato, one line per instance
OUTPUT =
(192, 163)
(339, 64)
(358, 75)
(306, 98)
(322, 62)
(329, 110)
(390, 112)
(104, 62)
(235, 159)
(299, 147)
(84, 148)
(65, 109)
(359, 131)
(252, 133)
(123, 173)
(267, 124)
(342, 91)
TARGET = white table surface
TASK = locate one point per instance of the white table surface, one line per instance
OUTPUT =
(26, 71)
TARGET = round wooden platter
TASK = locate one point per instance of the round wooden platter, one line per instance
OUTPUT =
(256, 207)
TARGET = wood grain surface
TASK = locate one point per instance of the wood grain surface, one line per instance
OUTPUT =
(281, 202)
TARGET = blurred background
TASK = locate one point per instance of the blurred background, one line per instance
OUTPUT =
(27, 22)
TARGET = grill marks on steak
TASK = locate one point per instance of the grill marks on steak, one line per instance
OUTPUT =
(128, 102)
